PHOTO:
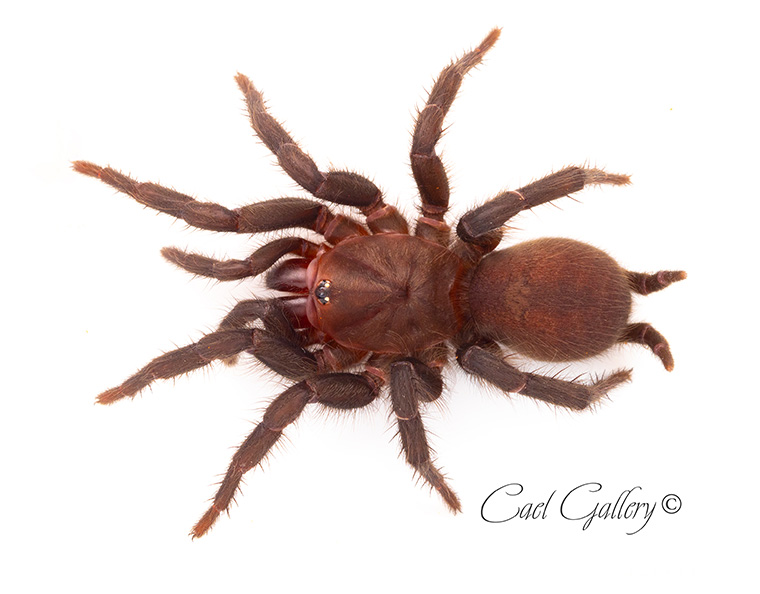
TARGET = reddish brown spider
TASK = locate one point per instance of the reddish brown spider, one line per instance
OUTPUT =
(371, 305)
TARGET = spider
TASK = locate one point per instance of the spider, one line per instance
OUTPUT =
(372, 306)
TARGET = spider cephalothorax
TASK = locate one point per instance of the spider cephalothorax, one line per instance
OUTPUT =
(370, 306)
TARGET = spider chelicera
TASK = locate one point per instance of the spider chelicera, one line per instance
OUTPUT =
(366, 305)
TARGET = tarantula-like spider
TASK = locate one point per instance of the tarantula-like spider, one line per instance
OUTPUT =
(372, 305)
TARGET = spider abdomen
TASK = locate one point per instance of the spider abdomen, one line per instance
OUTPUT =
(386, 293)
(552, 299)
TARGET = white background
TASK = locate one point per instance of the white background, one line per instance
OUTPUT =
(102, 499)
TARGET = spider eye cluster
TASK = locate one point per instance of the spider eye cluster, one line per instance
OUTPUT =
(322, 292)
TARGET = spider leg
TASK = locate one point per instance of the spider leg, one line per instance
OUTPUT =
(494, 213)
(278, 353)
(341, 187)
(268, 215)
(205, 215)
(646, 335)
(473, 251)
(260, 261)
(427, 167)
(570, 394)
(412, 382)
(336, 390)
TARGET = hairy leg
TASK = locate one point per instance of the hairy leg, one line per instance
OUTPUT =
(278, 353)
(494, 213)
(427, 167)
(340, 187)
(485, 364)
(412, 382)
(337, 390)
(269, 215)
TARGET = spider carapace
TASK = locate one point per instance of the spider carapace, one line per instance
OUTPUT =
(361, 307)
